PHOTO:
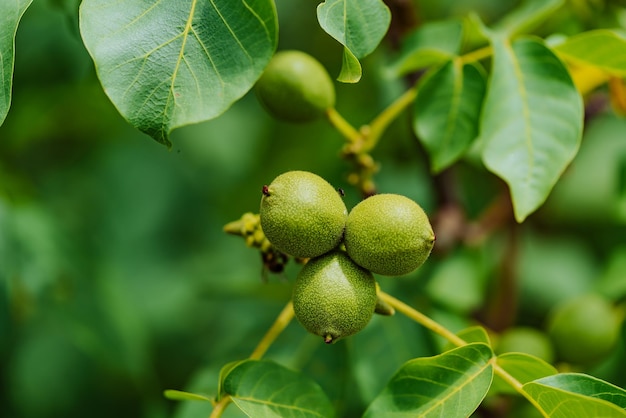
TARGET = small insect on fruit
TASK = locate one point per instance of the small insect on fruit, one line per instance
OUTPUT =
(273, 262)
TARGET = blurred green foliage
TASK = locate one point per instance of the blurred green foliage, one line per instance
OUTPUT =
(117, 281)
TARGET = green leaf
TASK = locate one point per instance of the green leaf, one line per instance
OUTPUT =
(449, 385)
(262, 388)
(573, 395)
(359, 25)
(471, 334)
(169, 64)
(527, 16)
(446, 111)
(523, 367)
(350, 68)
(223, 373)
(531, 123)
(601, 48)
(10, 14)
(430, 44)
(587, 385)
(475, 334)
(178, 395)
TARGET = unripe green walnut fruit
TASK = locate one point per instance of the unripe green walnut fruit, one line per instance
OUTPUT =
(302, 214)
(295, 87)
(333, 297)
(388, 234)
(584, 329)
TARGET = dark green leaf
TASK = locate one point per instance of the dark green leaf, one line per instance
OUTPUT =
(432, 43)
(223, 373)
(10, 14)
(266, 389)
(169, 64)
(449, 385)
(526, 17)
(572, 395)
(531, 122)
(359, 25)
(446, 111)
(600, 48)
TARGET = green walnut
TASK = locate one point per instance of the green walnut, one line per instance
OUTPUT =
(526, 340)
(388, 234)
(333, 297)
(302, 214)
(584, 329)
(295, 87)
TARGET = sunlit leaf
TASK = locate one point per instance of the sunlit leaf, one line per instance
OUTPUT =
(267, 389)
(449, 385)
(446, 111)
(359, 25)
(523, 367)
(10, 14)
(527, 16)
(600, 48)
(531, 123)
(573, 395)
(430, 44)
(169, 64)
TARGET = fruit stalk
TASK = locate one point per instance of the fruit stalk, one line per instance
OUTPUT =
(422, 319)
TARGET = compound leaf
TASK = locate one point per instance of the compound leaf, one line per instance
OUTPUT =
(262, 388)
(10, 14)
(451, 385)
(576, 395)
(531, 123)
(446, 111)
(359, 25)
(169, 64)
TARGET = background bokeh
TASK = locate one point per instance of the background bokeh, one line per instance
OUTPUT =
(117, 281)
